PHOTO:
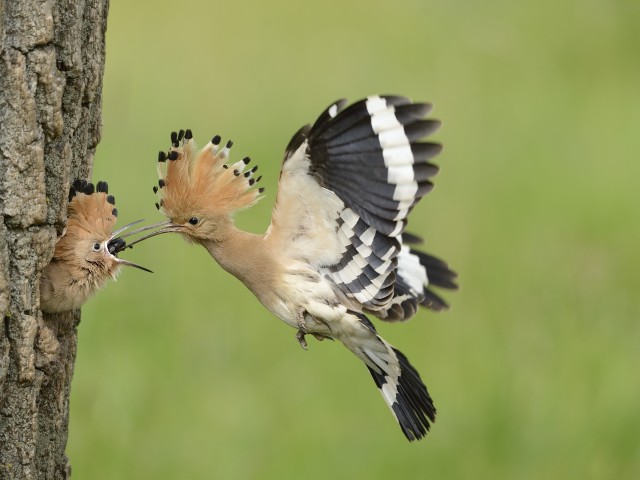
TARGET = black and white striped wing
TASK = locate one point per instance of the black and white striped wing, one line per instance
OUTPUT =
(369, 155)
(371, 170)
(416, 275)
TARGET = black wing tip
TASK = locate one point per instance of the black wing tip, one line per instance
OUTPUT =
(413, 111)
(433, 301)
(329, 113)
(298, 139)
(409, 238)
(439, 273)
(423, 151)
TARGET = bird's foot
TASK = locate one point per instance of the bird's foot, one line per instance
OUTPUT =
(300, 337)
(321, 337)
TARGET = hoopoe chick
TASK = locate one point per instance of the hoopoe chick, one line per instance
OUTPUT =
(85, 255)
(335, 249)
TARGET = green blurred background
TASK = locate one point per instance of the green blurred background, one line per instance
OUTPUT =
(182, 374)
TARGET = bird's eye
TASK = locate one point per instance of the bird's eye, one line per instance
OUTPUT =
(193, 221)
(97, 247)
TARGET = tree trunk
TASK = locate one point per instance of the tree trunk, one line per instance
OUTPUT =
(51, 65)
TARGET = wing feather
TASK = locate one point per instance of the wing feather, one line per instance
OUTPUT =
(346, 187)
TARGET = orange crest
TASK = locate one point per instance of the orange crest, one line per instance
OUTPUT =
(91, 215)
(203, 183)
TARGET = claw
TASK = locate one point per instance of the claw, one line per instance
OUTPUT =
(300, 337)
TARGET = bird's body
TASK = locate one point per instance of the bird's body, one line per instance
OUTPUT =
(85, 254)
(65, 287)
(334, 251)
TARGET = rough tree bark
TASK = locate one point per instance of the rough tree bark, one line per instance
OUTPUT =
(51, 65)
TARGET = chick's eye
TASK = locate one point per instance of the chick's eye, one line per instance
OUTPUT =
(96, 247)
(193, 221)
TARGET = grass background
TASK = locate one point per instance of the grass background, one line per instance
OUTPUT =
(184, 375)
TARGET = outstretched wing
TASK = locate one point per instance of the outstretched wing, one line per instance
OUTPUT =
(346, 187)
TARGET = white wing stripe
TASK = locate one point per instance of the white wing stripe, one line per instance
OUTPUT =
(410, 269)
(397, 230)
(383, 267)
(402, 212)
(360, 262)
(373, 288)
(389, 253)
(400, 173)
(405, 191)
(393, 137)
(364, 250)
(375, 104)
(347, 274)
(350, 217)
(384, 120)
(362, 297)
(398, 156)
(368, 236)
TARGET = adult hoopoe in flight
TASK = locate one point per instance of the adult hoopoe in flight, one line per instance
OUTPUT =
(335, 250)
(85, 255)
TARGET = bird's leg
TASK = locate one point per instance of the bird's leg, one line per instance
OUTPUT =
(302, 333)
(300, 337)
(302, 329)
(304, 320)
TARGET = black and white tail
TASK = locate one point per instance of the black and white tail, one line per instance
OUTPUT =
(399, 382)
(407, 396)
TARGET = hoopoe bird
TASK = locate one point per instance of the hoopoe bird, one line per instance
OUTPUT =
(85, 255)
(335, 250)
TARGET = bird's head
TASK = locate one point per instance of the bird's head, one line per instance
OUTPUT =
(89, 242)
(199, 191)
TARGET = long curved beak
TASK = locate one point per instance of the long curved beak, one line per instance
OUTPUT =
(126, 227)
(165, 227)
(117, 244)
(138, 230)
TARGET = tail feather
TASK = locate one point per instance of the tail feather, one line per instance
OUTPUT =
(399, 382)
(408, 398)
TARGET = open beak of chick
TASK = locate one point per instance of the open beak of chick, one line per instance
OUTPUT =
(117, 242)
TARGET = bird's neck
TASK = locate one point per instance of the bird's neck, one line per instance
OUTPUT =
(247, 257)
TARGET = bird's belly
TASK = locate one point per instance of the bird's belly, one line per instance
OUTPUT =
(306, 296)
(283, 310)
